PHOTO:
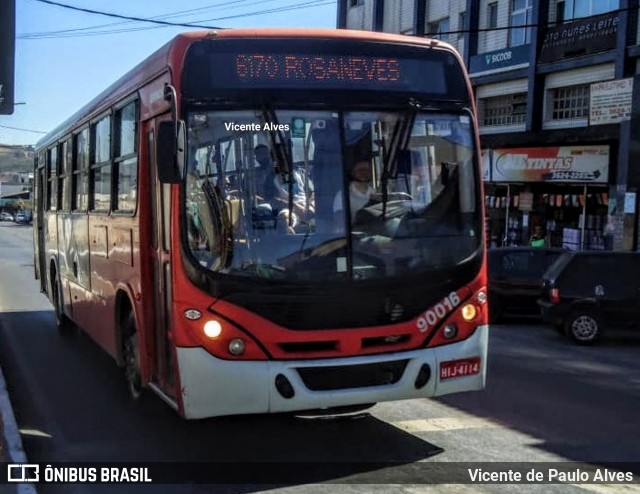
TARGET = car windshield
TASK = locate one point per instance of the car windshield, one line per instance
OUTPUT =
(327, 195)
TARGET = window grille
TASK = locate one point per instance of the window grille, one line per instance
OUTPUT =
(509, 109)
(570, 102)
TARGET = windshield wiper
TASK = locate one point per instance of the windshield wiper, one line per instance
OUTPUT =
(221, 221)
(398, 143)
(282, 153)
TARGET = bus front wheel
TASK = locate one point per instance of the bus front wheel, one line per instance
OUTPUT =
(63, 323)
(132, 359)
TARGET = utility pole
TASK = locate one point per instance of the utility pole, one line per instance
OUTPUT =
(7, 55)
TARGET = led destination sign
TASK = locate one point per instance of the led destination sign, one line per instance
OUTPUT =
(231, 66)
(294, 70)
(319, 69)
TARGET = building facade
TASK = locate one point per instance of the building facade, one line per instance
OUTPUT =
(557, 87)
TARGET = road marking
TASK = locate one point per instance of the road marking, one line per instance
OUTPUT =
(443, 424)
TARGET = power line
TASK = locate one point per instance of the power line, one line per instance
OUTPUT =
(222, 6)
(129, 18)
(160, 23)
(525, 26)
(23, 130)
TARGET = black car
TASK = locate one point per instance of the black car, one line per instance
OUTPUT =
(584, 293)
(515, 276)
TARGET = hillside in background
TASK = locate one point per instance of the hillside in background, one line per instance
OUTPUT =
(16, 158)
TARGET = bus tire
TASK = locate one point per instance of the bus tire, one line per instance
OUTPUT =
(63, 323)
(131, 354)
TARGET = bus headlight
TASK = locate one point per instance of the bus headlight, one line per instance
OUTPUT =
(469, 312)
(212, 329)
(237, 346)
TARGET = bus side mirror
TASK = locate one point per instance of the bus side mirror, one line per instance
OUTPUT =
(170, 152)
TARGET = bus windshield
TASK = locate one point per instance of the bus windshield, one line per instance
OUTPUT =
(319, 196)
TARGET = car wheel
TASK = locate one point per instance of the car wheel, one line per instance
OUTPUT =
(584, 326)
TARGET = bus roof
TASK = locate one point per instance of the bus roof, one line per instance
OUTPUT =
(171, 55)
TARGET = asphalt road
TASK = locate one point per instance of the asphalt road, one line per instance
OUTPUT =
(547, 400)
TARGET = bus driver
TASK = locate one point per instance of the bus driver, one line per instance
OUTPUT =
(360, 190)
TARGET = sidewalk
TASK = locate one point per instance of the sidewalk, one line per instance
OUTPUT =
(11, 450)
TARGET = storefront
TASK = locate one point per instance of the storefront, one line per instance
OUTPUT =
(563, 190)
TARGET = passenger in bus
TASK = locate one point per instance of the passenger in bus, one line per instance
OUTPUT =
(273, 189)
(286, 224)
(360, 191)
(264, 169)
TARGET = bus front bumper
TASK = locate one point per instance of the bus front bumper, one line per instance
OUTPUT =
(214, 387)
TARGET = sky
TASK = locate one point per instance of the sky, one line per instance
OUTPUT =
(61, 63)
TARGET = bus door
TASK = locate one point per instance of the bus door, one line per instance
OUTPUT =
(40, 253)
(160, 219)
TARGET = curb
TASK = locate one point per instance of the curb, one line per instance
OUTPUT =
(11, 449)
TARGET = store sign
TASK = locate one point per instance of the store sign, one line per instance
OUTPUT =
(611, 101)
(505, 59)
(581, 37)
(564, 164)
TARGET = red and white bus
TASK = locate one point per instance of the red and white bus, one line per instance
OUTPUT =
(256, 221)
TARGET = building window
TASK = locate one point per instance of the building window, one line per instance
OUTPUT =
(462, 24)
(509, 109)
(126, 160)
(100, 181)
(521, 15)
(560, 11)
(570, 102)
(354, 3)
(439, 29)
(574, 9)
(492, 15)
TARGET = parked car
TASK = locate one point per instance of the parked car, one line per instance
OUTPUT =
(515, 276)
(584, 293)
(22, 217)
(6, 216)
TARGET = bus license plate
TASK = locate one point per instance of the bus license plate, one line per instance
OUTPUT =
(459, 368)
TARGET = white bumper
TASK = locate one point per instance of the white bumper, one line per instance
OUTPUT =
(213, 387)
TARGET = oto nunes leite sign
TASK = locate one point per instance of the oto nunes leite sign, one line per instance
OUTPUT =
(582, 164)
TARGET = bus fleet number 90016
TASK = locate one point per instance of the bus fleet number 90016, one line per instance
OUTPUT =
(435, 314)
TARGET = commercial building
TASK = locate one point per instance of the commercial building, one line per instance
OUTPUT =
(558, 96)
